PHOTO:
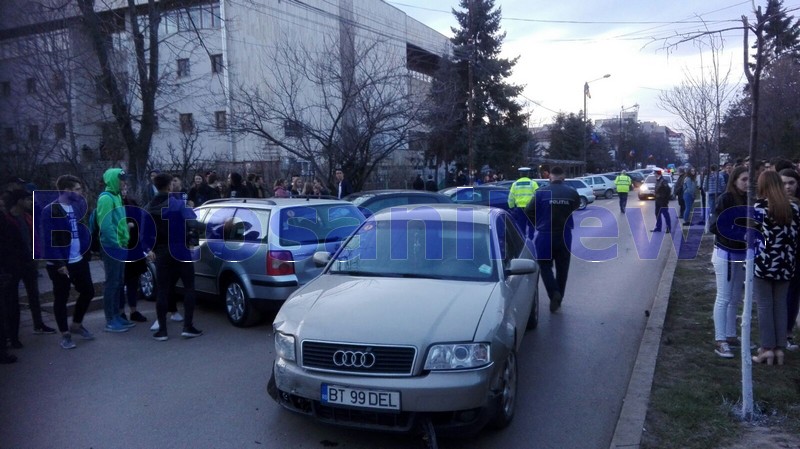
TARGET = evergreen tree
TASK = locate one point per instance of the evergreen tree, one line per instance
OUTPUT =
(782, 36)
(498, 123)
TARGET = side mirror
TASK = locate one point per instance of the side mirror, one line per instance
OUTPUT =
(521, 266)
(321, 258)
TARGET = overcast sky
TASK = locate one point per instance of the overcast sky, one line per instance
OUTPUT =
(564, 43)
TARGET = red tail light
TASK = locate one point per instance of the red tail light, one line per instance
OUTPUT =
(279, 263)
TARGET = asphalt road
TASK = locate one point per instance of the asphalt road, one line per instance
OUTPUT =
(127, 390)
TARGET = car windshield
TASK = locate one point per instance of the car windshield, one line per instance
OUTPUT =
(434, 249)
(318, 224)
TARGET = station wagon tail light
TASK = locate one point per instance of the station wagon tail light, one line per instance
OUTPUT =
(458, 356)
(279, 263)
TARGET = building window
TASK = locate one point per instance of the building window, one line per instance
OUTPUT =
(30, 85)
(292, 128)
(187, 123)
(183, 67)
(33, 133)
(220, 120)
(216, 63)
(60, 130)
(5, 88)
(58, 81)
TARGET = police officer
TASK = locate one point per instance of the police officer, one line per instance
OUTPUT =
(623, 183)
(550, 212)
(519, 196)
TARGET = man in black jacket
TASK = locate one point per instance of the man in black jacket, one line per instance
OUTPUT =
(174, 254)
(343, 187)
(550, 211)
(66, 249)
(662, 192)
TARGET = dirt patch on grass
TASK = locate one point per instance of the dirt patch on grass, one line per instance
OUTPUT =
(695, 392)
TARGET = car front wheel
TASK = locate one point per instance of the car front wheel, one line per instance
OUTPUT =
(147, 282)
(609, 194)
(506, 385)
(239, 307)
(584, 203)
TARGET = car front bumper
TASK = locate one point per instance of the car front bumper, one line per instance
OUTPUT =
(455, 400)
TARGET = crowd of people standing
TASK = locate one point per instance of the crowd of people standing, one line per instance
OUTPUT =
(66, 230)
(774, 223)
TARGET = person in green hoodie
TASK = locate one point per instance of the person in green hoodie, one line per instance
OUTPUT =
(114, 246)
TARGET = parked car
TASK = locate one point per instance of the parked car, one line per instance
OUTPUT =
(413, 318)
(485, 195)
(255, 252)
(601, 185)
(584, 191)
(372, 201)
(647, 189)
(636, 178)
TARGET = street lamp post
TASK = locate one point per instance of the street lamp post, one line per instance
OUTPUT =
(586, 115)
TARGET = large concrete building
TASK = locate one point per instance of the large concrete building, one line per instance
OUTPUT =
(213, 55)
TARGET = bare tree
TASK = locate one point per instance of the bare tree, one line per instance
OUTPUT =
(756, 58)
(345, 104)
(183, 159)
(699, 100)
(145, 57)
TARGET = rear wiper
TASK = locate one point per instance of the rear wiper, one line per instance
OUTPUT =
(358, 273)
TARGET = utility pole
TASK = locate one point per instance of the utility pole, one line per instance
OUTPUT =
(470, 106)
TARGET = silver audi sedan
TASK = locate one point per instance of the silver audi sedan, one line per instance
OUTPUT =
(418, 316)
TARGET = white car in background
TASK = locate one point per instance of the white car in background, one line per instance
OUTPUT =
(584, 191)
(602, 186)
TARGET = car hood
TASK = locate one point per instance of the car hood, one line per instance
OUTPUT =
(385, 310)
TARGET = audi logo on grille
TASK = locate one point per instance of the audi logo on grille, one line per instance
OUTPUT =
(354, 359)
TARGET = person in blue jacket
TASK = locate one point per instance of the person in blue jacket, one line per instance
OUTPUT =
(66, 249)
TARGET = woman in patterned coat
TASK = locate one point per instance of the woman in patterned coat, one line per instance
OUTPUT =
(777, 220)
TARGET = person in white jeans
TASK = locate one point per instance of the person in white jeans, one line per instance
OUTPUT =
(730, 251)
(729, 269)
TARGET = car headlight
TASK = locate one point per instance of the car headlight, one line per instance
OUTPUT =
(458, 356)
(284, 346)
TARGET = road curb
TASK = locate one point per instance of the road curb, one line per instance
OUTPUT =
(630, 425)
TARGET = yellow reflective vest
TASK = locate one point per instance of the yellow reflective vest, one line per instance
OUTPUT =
(623, 183)
(521, 192)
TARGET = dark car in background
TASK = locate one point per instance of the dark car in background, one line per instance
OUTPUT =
(484, 195)
(372, 201)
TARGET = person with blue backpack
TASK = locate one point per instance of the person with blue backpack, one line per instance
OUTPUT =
(113, 236)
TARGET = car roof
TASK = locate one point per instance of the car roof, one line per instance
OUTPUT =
(444, 212)
(269, 202)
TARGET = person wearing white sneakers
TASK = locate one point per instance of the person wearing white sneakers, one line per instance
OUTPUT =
(175, 253)
(173, 316)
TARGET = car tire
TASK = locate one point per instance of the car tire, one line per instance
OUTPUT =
(533, 318)
(584, 203)
(609, 194)
(238, 306)
(507, 392)
(147, 282)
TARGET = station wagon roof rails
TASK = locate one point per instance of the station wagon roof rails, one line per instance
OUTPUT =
(243, 200)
